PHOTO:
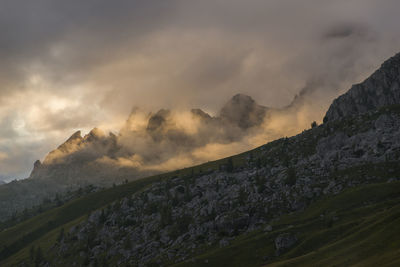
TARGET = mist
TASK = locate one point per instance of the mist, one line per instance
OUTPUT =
(166, 140)
(69, 66)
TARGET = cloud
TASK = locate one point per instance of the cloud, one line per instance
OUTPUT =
(341, 31)
(69, 65)
(3, 156)
(172, 139)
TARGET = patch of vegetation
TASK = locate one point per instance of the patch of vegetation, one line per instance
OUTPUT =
(47, 204)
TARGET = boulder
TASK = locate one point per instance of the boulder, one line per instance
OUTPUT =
(284, 241)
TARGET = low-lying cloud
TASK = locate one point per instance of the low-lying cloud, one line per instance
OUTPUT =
(173, 139)
(69, 65)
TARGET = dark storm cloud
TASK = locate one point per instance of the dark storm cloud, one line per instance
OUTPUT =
(344, 31)
(68, 40)
(62, 38)
(78, 64)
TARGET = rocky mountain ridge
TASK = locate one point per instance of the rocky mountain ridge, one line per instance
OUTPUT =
(382, 88)
(241, 112)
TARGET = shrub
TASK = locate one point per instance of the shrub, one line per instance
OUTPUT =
(291, 176)
(229, 165)
(314, 124)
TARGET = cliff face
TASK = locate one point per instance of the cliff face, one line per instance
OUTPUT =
(382, 88)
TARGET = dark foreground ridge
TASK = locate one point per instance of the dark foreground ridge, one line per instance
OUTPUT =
(328, 196)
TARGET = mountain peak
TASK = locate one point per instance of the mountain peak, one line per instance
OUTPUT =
(200, 114)
(36, 168)
(243, 111)
(73, 139)
(158, 120)
(76, 135)
(242, 98)
(94, 134)
(382, 88)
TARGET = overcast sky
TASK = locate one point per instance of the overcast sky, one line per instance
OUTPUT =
(69, 65)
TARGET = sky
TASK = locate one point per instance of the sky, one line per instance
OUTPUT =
(74, 65)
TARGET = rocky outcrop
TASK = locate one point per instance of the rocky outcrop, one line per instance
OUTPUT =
(36, 168)
(284, 241)
(381, 89)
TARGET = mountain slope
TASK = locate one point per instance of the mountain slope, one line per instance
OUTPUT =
(324, 196)
(358, 226)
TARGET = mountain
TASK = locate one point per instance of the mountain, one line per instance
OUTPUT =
(243, 111)
(102, 159)
(78, 153)
(327, 196)
(379, 90)
(89, 159)
(75, 162)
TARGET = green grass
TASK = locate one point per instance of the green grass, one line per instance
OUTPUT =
(371, 243)
(44, 242)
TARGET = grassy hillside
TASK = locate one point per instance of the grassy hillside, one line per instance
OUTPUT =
(360, 226)
(23, 235)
